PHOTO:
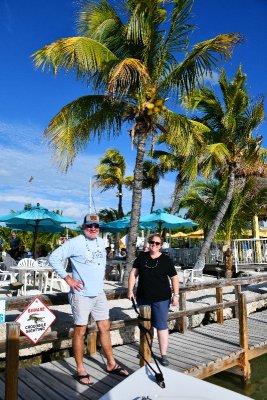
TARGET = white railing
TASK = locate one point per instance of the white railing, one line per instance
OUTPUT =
(249, 252)
(246, 252)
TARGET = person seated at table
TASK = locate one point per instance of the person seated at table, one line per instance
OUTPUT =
(122, 254)
(22, 253)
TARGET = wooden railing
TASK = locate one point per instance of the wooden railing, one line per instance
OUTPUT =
(14, 341)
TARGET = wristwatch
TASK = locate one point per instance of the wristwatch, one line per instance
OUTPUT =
(175, 295)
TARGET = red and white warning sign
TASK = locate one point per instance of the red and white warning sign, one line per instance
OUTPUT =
(35, 320)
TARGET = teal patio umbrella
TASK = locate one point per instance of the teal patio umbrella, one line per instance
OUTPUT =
(119, 225)
(36, 219)
(162, 219)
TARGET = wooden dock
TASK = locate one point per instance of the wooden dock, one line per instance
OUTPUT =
(200, 352)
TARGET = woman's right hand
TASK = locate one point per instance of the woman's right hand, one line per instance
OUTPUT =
(130, 294)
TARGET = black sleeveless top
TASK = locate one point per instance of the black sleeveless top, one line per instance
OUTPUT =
(153, 278)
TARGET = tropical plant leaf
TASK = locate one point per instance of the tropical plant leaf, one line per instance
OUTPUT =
(80, 121)
(84, 55)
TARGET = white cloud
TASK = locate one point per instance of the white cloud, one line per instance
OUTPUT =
(24, 155)
(213, 79)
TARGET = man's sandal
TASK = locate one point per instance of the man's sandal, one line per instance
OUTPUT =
(118, 370)
(85, 376)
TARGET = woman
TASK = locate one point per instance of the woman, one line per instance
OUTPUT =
(154, 270)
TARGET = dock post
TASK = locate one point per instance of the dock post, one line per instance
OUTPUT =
(219, 299)
(243, 336)
(12, 360)
(237, 293)
(91, 337)
(181, 324)
(145, 335)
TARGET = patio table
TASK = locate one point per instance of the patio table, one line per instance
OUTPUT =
(24, 272)
(120, 266)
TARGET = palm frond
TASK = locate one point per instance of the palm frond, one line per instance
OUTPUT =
(80, 121)
(84, 55)
(199, 62)
(100, 21)
(178, 36)
(183, 131)
(126, 75)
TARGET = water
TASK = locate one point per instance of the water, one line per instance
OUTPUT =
(256, 388)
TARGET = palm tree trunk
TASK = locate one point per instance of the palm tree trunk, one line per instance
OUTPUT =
(136, 205)
(200, 263)
(178, 194)
(153, 198)
(120, 210)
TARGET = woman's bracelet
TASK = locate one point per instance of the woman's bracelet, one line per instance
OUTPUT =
(175, 295)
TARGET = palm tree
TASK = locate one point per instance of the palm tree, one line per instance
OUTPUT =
(111, 173)
(129, 56)
(234, 152)
(185, 166)
(205, 197)
(108, 214)
(151, 177)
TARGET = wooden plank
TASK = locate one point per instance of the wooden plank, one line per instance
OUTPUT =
(103, 380)
(187, 348)
(54, 382)
(26, 393)
(232, 332)
(64, 371)
(214, 368)
(212, 344)
(36, 385)
(2, 386)
(188, 351)
(215, 344)
(134, 352)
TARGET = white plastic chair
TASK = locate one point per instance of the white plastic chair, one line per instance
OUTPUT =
(264, 257)
(249, 255)
(7, 275)
(193, 275)
(24, 274)
(55, 278)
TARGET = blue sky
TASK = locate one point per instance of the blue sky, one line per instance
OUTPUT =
(29, 98)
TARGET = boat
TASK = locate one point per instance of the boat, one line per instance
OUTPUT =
(144, 384)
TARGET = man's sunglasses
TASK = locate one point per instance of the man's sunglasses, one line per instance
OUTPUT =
(153, 242)
(92, 225)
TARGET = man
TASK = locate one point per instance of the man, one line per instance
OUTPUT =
(88, 259)
(109, 267)
(14, 245)
(1, 244)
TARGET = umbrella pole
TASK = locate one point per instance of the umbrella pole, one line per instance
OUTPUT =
(35, 236)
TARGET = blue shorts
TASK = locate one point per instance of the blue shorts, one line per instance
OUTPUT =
(159, 312)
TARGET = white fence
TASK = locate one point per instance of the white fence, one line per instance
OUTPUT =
(187, 257)
(249, 252)
(246, 253)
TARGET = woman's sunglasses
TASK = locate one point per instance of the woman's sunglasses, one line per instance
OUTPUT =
(153, 242)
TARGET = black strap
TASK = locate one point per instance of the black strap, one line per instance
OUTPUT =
(158, 375)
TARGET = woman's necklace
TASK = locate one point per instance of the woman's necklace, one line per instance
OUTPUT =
(148, 265)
